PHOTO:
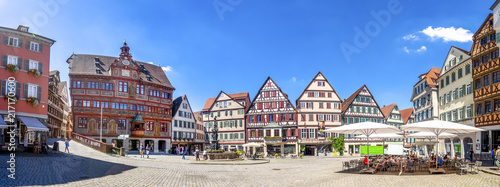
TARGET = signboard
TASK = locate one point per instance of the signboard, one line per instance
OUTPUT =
(394, 149)
(374, 150)
(457, 148)
(321, 128)
(123, 137)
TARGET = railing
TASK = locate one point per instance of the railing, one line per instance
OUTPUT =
(137, 131)
(92, 143)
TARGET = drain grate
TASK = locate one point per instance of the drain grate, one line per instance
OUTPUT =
(276, 169)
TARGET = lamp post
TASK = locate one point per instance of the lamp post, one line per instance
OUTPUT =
(100, 134)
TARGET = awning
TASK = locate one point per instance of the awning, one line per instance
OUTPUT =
(33, 124)
(3, 125)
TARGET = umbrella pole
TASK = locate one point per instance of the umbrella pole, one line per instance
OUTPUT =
(437, 151)
(368, 150)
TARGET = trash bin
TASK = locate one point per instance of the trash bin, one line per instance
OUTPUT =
(55, 147)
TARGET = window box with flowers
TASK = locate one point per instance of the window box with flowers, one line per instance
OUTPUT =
(33, 100)
(35, 72)
(12, 68)
(10, 98)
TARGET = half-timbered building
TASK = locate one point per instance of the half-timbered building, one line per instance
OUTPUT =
(183, 125)
(360, 107)
(134, 98)
(272, 121)
(486, 85)
(318, 108)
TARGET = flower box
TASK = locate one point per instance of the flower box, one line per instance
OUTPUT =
(12, 68)
(35, 72)
(33, 100)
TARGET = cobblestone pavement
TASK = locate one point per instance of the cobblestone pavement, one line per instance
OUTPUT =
(86, 167)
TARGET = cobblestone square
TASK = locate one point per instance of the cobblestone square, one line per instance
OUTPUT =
(86, 167)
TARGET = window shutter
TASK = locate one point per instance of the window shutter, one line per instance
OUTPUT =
(317, 118)
(4, 87)
(20, 43)
(20, 63)
(4, 60)
(472, 87)
(40, 68)
(39, 93)
(6, 40)
(25, 90)
(18, 89)
(449, 96)
(463, 90)
(40, 48)
(463, 111)
(26, 64)
(471, 109)
(28, 43)
(456, 93)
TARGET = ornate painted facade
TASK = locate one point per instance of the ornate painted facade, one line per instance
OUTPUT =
(135, 97)
(272, 120)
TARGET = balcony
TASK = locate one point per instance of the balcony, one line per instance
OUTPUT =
(487, 119)
(486, 67)
(137, 132)
(490, 90)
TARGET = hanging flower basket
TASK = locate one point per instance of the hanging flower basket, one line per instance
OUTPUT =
(33, 101)
(12, 68)
(35, 72)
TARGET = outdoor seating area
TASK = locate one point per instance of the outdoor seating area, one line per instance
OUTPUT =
(398, 165)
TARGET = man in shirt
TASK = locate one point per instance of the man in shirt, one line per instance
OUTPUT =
(367, 162)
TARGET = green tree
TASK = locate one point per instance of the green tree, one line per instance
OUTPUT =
(338, 144)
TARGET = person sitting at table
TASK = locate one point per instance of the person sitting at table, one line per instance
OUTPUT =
(440, 161)
(381, 164)
(408, 163)
(367, 162)
(394, 162)
(379, 159)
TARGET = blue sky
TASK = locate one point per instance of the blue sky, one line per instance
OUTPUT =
(235, 46)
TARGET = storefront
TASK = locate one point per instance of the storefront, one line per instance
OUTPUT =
(3, 136)
(32, 131)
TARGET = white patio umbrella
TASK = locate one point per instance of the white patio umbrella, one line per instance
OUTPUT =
(430, 136)
(383, 137)
(252, 144)
(365, 128)
(438, 127)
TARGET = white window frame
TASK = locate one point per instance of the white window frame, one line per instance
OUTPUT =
(32, 92)
(453, 115)
(316, 94)
(311, 132)
(303, 133)
(460, 114)
(302, 105)
(12, 60)
(467, 111)
(33, 64)
(447, 97)
(328, 117)
(442, 100)
(467, 89)
(35, 46)
(453, 95)
(336, 117)
(13, 41)
(460, 92)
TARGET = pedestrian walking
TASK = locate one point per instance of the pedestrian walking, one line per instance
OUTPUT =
(493, 154)
(204, 154)
(147, 150)
(66, 143)
(197, 152)
(471, 152)
(183, 153)
(141, 150)
(26, 141)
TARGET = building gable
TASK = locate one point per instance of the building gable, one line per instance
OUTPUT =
(319, 83)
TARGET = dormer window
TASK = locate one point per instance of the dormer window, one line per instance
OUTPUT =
(148, 77)
(22, 28)
(98, 71)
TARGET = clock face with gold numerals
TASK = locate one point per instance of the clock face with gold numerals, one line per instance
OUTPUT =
(125, 62)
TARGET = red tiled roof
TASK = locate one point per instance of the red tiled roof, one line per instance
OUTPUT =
(388, 109)
(431, 76)
(348, 101)
(210, 101)
(406, 114)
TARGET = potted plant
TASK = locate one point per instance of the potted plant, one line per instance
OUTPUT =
(276, 155)
(300, 156)
(33, 101)
(302, 148)
(12, 68)
(35, 72)
(13, 98)
(262, 155)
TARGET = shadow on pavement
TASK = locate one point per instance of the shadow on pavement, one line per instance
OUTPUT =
(53, 169)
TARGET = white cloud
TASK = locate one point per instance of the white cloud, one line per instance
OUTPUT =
(450, 34)
(411, 37)
(422, 49)
(419, 50)
(294, 79)
(166, 69)
(150, 62)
